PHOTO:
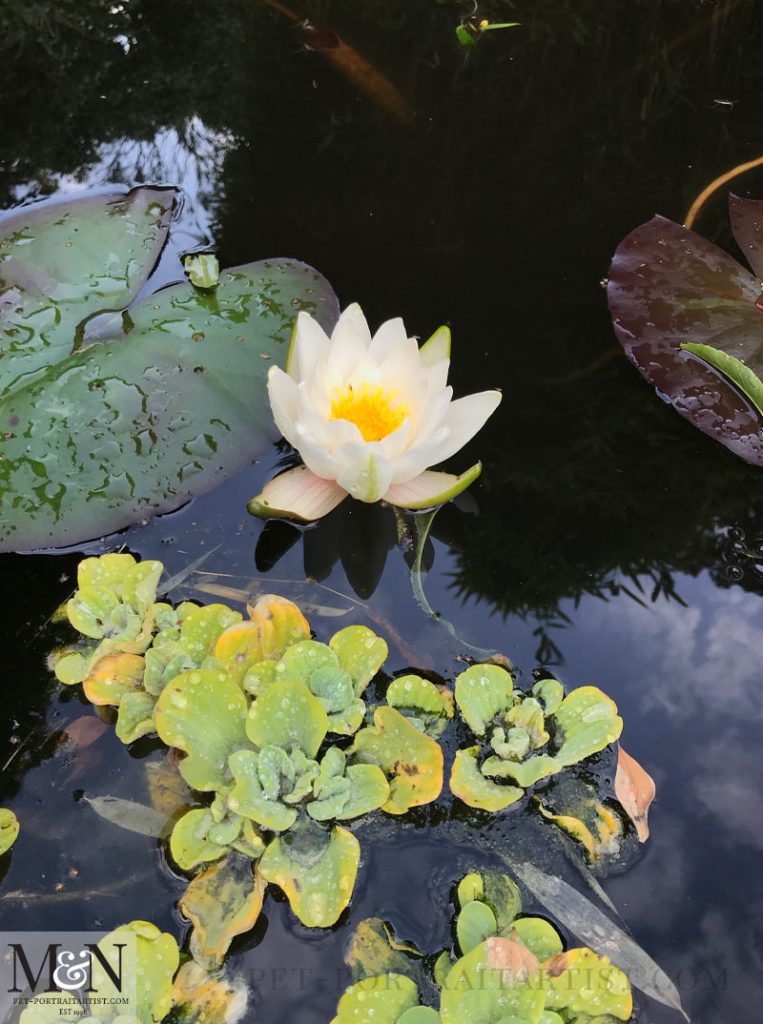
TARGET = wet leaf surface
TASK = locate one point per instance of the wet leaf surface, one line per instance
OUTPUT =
(668, 286)
(169, 401)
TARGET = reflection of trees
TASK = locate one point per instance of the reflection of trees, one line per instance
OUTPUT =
(532, 156)
(78, 77)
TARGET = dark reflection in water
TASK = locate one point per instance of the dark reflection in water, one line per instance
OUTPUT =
(610, 538)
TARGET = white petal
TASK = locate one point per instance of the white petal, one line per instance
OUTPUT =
(297, 494)
(284, 401)
(391, 334)
(464, 418)
(430, 488)
(309, 343)
(461, 421)
(436, 348)
(349, 345)
(367, 474)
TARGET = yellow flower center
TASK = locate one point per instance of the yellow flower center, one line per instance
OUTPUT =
(371, 408)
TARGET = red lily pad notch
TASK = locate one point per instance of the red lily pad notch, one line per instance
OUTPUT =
(691, 319)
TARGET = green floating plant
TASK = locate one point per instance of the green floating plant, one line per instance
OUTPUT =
(524, 738)
(279, 791)
(251, 704)
(505, 968)
(144, 957)
(9, 829)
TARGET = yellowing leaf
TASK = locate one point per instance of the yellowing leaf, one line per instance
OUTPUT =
(412, 761)
(223, 901)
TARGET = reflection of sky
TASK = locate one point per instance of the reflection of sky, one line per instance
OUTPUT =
(190, 155)
(688, 682)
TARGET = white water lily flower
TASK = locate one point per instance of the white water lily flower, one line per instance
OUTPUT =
(369, 416)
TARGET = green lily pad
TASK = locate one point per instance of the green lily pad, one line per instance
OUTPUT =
(190, 844)
(469, 784)
(412, 761)
(380, 1000)
(287, 715)
(9, 829)
(361, 653)
(582, 982)
(498, 981)
(475, 923)
(168, 401)
(222, 901)
(316, 870)
(62, 262)
(482, 692)
(589, 722)
(203, 713)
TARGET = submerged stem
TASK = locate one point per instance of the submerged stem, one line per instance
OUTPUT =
(422, 526)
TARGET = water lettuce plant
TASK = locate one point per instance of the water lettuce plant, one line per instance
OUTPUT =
(369, 416)
(524, 738)
(253, 705)
(689, 316)
(112, 408)
(504, 967)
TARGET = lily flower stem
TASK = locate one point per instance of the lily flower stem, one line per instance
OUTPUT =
(421, 527)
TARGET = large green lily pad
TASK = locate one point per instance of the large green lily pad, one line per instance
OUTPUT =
(62, 262)
(168, 401)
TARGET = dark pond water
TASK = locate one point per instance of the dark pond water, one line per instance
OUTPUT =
(607, 538)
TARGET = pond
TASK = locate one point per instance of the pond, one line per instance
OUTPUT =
(607, 541)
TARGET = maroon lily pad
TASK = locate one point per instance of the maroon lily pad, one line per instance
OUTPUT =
(669, 286)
